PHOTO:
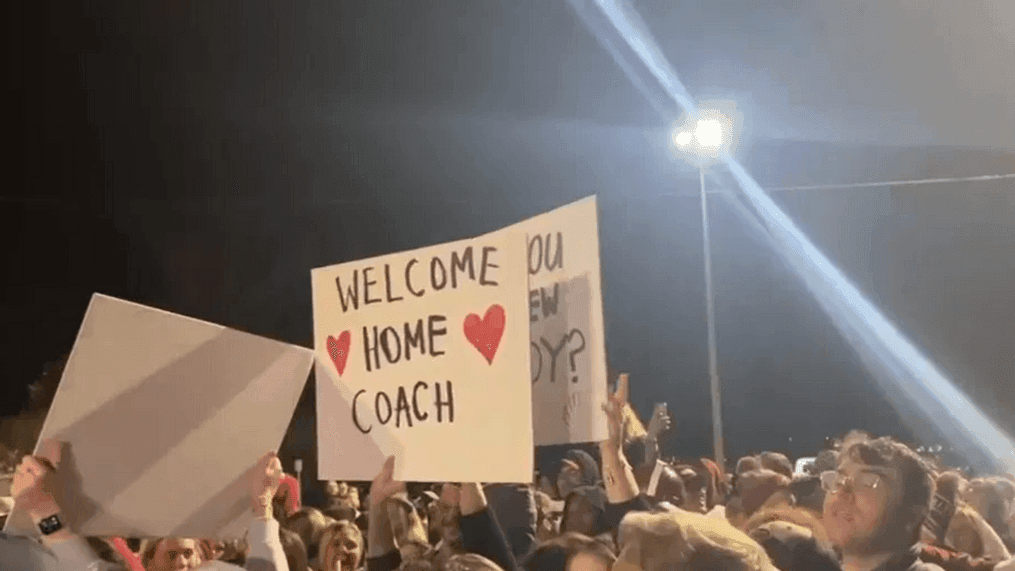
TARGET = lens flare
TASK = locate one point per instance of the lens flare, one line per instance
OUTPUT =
(907, 376)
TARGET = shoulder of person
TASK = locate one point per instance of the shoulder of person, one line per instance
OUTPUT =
(24, 553)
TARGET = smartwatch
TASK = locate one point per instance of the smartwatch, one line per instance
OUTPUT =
(50, 525)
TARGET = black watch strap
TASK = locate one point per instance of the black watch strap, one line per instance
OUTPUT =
(50, 525)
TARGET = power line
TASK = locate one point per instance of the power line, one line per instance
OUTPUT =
(893, 183)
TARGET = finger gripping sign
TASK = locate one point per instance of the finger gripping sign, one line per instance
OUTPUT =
(196, 405)
(424, 355)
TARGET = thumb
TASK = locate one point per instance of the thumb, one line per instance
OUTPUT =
(623, 390)
(51, 451)
(388, 471)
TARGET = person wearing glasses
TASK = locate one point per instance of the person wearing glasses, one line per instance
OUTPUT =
(875, 503)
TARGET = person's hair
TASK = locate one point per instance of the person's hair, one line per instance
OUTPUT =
(807, 492)
(295, 550)
(916, 479)
(329, 533)
(419, 564)
(689, 541)
(309, 523)
(826, 460)
(341, 510)
(757, 486)
(106, 552)
(556, 552)
(748, 463)
(147, 551)
(150, 546)
(469, 562)
(234, 551)
(588, 499)
(998, 507)
(207, 549)
(794, 548)
(777, 462)
(801, 517)
(692, 482)
(670, 483)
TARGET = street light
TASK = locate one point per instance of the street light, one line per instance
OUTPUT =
(703, 140)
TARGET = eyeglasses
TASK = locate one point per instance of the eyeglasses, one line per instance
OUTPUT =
(833, 482)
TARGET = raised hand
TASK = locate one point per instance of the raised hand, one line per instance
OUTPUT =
(32, 485)
(659, 423)
(384, 485)
(614, 409)
(264, 479)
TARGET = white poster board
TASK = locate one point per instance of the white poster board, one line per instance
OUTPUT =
(423, 355)
(163, 416)
(567, 344)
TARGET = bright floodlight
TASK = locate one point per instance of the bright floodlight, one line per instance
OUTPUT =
(708, 132)
(683, 138)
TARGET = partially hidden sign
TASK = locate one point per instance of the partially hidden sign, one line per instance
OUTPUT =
(154, 405)
(423, 355)
(565, 315)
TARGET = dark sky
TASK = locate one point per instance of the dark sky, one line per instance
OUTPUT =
(203, 158)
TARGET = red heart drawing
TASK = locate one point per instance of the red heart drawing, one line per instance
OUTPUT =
(339, 350)
(485, 334)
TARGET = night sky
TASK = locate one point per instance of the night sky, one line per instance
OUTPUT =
(203, 157)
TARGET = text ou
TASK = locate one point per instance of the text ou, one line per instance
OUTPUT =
(383, 409)
(546, 253)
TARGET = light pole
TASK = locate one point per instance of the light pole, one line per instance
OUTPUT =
(703, 141)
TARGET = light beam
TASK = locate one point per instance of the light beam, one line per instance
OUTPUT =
(898, 364)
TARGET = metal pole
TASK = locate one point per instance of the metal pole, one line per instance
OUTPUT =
(713, 368)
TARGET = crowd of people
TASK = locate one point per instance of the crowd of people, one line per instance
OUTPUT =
(864, 504)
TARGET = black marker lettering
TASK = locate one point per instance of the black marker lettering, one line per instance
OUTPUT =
(355, 418)
(408, 280)
(450, 403)
(402, 407)
(387, 284)
(487, 264)
(353, 292)
(415, 404)
(553, 355)
(377, 407)
(367, 282)
(460, 264)
(434, 264)
(434, 332)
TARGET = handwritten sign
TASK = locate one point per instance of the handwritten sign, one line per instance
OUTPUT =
(157, 405)
(423, 355)
(566, 344)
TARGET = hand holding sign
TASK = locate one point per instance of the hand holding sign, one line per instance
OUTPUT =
(32, 485)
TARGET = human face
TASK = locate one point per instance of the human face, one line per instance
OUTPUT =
(858, 505)
(587, 562)
(175, 555)
(344, 551)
